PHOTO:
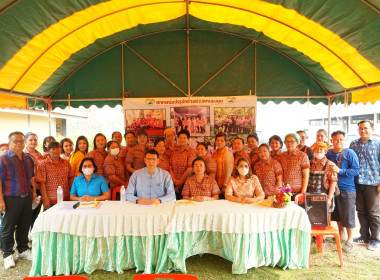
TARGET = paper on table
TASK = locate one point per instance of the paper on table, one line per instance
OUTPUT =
(88, 204)
(67, 206)
(185, 202)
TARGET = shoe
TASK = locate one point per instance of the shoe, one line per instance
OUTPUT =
(360, 240)
(9, 262)
(373, 245)
(27, 255)
(348, 247)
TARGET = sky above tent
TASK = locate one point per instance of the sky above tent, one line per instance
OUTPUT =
(99, 52)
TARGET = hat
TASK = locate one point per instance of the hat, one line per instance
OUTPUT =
(294, 135)
(3, 144)
(319, 144)
(169, 129)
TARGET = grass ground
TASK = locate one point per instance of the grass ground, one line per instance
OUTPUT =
(361, 264)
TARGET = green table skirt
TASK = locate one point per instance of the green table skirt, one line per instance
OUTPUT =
(59, 253)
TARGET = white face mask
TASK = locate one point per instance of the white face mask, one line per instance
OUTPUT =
(88, 171)
(114, 152)
(243, 171)
(319, 155)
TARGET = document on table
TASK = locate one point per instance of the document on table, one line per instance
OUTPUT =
(184, 202)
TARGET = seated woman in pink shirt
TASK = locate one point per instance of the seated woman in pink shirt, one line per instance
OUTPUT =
(243, 186)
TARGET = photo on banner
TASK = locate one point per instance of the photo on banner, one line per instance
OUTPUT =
(152, 121)
(195, 119)
(233, 121)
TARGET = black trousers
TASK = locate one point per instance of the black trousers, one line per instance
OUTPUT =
(367, 206)
(17, 220)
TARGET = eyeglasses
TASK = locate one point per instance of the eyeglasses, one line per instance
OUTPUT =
(18, 142)
(364, 128)
(290, 142)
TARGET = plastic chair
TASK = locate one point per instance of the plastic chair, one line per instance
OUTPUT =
(319, 232)
(115, 191)
(63, 277)
(165, 276)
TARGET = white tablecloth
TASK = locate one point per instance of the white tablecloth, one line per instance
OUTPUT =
(113, 218)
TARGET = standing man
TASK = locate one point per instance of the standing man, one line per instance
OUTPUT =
(16, 173)
(302, 146)
(151, 184)
(348, 167)
(238, 146)
(368, 185)
(181, 161)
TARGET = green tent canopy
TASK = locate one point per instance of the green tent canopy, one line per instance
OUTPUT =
(98, 52)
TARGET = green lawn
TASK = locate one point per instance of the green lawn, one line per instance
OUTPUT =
(362, 264)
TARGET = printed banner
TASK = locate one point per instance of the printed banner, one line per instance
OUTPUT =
(201, 116)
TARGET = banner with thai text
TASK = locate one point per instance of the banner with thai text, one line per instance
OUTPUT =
(203, 117)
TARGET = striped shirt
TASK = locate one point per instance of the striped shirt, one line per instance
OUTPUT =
(15, 174)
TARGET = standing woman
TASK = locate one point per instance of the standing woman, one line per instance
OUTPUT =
(99, 153)
(81, 150)
(67, 147)
(243, 186)
(268, 170)
(275, 144)
(224, 161)
(253, 144)
(163, 160)
(114, 166)
(46, 142)
(31, 142)
(201, 152)
(295, 164)
(136, 155)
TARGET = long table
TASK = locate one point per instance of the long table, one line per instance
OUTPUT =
(119, 236)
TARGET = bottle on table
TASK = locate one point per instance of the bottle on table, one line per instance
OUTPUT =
(59, 195)
(122, 194)
(36, 202)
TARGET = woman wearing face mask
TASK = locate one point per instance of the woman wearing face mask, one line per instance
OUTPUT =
(81, 150)
(114, 171)
(323, 177)
(200, 186)
(243, 186)
(99, 153)
(89, 186)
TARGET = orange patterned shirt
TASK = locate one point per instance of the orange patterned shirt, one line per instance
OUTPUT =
(211, 166)
(292, 165)
(329, 174)
(239, 155)
(99, 157)
(164, 163)
(136, 156)
(54, 175)
(180, 161)
(114, 166)
(267, 172)
(208, 187)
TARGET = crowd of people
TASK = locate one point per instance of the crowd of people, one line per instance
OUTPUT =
(174, 170)
(233, 124)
